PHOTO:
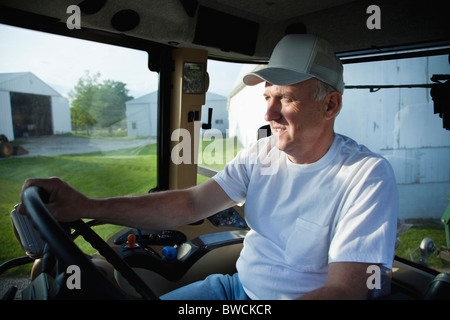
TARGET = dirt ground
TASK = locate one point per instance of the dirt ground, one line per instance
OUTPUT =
(19, 282)
(58, 145)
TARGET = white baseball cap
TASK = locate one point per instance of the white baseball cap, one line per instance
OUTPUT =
(299, 57)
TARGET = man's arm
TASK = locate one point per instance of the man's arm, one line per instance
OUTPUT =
(159, 210)
(346, 280)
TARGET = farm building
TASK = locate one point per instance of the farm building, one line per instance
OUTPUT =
(398, 123)
(29, 106)
(142, 114)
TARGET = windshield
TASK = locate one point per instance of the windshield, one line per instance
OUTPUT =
(80, 110)
(400, 123)
(87, 112)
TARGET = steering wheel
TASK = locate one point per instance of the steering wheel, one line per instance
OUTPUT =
(64, 249)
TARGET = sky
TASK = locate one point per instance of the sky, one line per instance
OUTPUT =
(60, 61)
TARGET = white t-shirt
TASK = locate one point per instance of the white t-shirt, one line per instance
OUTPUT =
(303, 217)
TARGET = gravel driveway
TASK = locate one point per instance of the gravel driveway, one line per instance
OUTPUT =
(19, 282)
(58, 145)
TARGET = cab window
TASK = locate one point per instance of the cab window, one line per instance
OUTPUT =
(83, 111)
(398, 120)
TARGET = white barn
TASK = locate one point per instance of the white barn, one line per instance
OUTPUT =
(142, 114)
(29, 106)
(397, 123)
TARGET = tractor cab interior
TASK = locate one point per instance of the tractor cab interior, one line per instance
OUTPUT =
(183, 41)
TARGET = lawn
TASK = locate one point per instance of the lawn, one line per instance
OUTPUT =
(412, 238)
(123, 172)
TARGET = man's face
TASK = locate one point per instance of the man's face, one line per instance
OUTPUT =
(296, 118)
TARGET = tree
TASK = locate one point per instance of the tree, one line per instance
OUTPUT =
(105, 101)
(84, 91)
(81, 119)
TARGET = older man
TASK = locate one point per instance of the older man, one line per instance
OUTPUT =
(321, 208)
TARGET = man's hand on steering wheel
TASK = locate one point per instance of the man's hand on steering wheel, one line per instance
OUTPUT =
(65, 251)
(64, 202)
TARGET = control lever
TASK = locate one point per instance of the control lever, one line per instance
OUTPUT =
(170, 253)
(208, 125)
(131, 240)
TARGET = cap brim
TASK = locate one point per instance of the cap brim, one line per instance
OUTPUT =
(276, 76)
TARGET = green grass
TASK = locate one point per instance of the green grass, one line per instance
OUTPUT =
(412, 238)
(123, 172)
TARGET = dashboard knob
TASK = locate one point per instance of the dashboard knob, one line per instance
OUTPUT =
(131, 240)
(170, 253)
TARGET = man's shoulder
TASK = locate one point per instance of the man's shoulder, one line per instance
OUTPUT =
(351, 148)
(360, 156)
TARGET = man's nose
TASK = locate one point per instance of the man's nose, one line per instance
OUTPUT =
(273, 110)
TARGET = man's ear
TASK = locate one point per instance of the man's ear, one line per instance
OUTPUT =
(333, 104)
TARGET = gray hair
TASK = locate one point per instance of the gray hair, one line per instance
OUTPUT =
(322, 90)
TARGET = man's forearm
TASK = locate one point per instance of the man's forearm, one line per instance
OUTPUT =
(157, 211)
(345, 281)
(162, 210)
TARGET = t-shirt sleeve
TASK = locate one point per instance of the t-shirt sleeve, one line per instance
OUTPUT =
(234, 178)
(367, 227)
(254, 160)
